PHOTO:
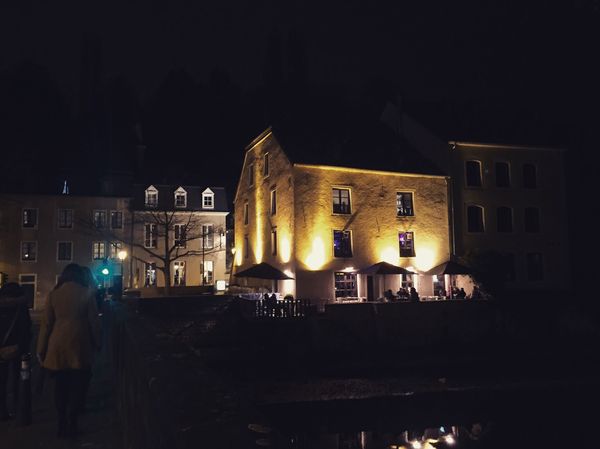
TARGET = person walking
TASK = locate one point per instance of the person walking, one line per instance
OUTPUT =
(15, 340)
(69, 335)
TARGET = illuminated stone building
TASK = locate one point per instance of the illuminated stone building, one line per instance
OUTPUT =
(321, 216)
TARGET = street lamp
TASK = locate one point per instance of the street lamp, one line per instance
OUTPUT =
(122, 255)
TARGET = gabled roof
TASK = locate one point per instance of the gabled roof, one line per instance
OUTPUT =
(166, 197)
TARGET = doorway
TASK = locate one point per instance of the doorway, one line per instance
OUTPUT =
(370, 295)
(29, 284)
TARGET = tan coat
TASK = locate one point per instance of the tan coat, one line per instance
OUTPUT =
(70, 329)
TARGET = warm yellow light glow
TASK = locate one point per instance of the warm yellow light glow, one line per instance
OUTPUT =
(288, 273)
(233, 250)
(425, 259)
(416, 444)
(316, 257)
(348, 269)
(258, 243)
(390, 255)
(122, 255)
(238, 258)
(449, 440)
(285, 249)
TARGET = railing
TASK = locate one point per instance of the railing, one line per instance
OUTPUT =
(286, 308)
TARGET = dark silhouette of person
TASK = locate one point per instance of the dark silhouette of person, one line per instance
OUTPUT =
(462, 294)
(414, 296)
(15, 333)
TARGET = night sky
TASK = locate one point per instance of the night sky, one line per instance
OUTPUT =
(83, 83)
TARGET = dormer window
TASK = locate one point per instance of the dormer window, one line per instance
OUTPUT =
(180, 197)
(208, 199)
(151, 197)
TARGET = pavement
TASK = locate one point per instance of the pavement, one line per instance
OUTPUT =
(99, 425)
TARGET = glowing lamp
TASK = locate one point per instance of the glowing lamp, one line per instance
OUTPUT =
(105, 271)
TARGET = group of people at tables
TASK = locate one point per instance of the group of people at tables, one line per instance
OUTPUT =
(411, 294)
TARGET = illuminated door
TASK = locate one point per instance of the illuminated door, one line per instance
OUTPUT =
(28, 282)
(370, 296)
(150, 274)
(178, 273)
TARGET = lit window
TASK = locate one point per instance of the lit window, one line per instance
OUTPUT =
(250, 175)
(180, 235)
(115, 247)
(64, 251)
(208, 236)
(207, 272)
(30, 218)
(535, 267)
(208, 199)
(245, 213)
(65, 218)
(273, 202)
(341, 201)
(150, 277)
(100, 219)
(504, 219)
(342, 244)
(404, 204)
(266, 165)
(345, 285)
(529, 176)
(406, 241)
(29, 251)
(178, 273)
(274, 242)
(532, 219)
(116, 219)
(151, 197)
(180, 197)
(98, 250)
(475, 219)
(150, 235)
(502, 174)
(473, 173)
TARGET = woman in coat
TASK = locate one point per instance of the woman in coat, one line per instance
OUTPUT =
(69, 335)
(15, 329)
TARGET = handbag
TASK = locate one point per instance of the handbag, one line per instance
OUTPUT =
(9, 352)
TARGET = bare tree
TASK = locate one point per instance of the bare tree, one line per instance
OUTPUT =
(166, 236)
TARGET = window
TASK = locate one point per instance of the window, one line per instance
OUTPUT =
(532, 219)
(29, 251)
(535, 267)
(502, 174)
(180, 197)
(273, 202)
(529, 176)
(180, 236)
(178, 273)
(151, 197)
(64, 251)
(115, 247)
(208, 199)
(511, 273)
(341, 201)
(266, 165)
(100, 219)
(246, 247)
(475, 219)
(274, 242)
(404, 204)
(116, 219)
(345, 285)
(150, 278)
(207, 272)
(250, 175)
(504, 219)
(65, 218)
(150, 235)
(98, 250)
(473, 172)
(208, 236)
(406, 240)
(30, 218)
(342, 244)
(245, 213)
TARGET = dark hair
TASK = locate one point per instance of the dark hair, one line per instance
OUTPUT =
(71, 273)
(11, 290)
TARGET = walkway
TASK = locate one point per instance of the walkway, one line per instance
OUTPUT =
(99, 425)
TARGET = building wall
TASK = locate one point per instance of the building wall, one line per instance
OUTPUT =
(549, 197)
(261, 222)
(46, 267)
(373, 223)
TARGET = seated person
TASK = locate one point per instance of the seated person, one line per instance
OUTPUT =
(414, 296)
(402, 294)
(462, 294)
(388, 295)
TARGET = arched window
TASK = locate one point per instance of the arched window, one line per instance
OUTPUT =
(475, 219)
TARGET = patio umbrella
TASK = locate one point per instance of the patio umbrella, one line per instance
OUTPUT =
(384, 268)
(263, 271)
(449, 267)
